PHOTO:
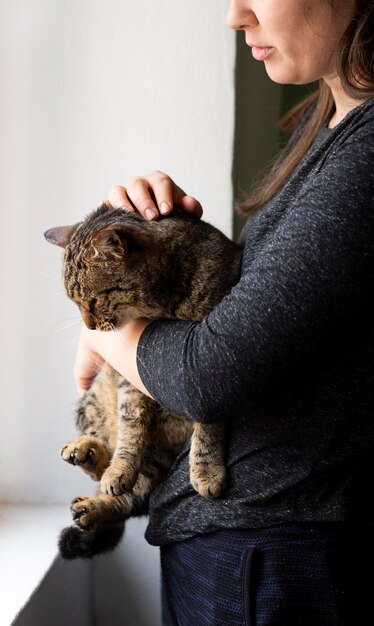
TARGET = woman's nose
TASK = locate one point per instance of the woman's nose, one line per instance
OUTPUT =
(240, 15)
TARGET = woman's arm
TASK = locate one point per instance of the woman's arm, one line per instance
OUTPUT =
(304, 293)
(312, 277)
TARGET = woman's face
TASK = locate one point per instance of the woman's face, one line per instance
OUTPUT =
(296, 39)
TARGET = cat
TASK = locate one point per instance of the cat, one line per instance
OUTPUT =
(118, 266)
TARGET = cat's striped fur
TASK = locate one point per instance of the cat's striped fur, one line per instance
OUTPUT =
(118, 266)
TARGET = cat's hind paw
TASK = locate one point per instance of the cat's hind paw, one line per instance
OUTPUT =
(209, 480)
(100, 511)
(85, 512)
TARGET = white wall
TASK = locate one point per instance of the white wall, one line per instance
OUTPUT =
(93, 93)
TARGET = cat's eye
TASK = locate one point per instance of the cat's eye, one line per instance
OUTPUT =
(111, 289)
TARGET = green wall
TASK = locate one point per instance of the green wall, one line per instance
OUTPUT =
(260, 104)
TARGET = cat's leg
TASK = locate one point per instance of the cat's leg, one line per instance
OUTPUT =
(88, 452)
(208, 472)
(135, 411)
(99, 522)
(102, 510)
(99, 519)
(95, 411)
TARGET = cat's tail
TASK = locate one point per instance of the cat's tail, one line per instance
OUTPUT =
(75, 543)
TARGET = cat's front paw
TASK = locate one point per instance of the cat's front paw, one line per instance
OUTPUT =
(209, 480)
(89, 453)
(118, 478)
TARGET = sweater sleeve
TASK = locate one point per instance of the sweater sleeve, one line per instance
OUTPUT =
(312, 275)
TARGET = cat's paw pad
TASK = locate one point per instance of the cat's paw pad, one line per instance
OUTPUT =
(76, 454)
(117, 479)
(86, 453)
(84, 512)
(209, 480)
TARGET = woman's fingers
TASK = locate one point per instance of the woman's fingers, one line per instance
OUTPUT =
(140, 193)
(191, 205)
(164, 190)
(152, 195)
(119, 199)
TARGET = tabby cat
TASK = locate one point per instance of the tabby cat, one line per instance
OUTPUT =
(118, 266)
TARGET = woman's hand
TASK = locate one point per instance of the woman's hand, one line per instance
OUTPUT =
(87, 360)
(153, 195)
(118, 348)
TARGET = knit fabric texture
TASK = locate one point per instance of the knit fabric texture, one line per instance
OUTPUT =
(289, 575)
(287, 358)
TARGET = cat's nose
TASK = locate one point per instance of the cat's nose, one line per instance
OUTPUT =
(88, 320)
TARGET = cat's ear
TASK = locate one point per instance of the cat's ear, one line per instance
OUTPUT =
(107, 242)
(120, 240)
(61, 235)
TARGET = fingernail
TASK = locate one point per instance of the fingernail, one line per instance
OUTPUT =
(150, 213)
(165, 207)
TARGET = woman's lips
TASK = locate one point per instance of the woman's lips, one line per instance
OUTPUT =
(261, 53)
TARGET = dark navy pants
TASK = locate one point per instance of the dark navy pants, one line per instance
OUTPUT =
(292, 575)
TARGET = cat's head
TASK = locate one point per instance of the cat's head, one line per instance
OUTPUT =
(110, 264)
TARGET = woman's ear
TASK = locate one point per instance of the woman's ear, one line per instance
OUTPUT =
(60, 235)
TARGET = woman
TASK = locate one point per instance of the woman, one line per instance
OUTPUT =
(287, 358)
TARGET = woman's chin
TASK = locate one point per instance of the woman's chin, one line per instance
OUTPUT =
(282, 75)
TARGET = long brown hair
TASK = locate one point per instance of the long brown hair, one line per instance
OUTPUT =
(355, 64)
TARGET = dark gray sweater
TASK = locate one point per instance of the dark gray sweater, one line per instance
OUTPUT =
(287, 357)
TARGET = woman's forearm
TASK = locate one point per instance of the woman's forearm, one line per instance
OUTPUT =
(118, 348)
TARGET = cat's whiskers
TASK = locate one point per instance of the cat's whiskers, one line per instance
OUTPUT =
(50, 277)
(75, 323)
(46, 273)
(74, 340)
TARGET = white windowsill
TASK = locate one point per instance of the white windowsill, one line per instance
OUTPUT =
(28, 548)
